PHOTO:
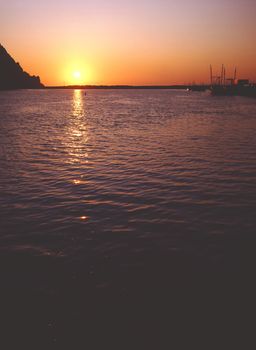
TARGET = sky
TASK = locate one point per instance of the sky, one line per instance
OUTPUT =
(135, 42)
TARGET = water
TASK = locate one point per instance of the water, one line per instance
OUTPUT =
(122, 184)
(164, 166)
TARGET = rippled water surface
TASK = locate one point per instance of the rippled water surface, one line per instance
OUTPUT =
(125, 170)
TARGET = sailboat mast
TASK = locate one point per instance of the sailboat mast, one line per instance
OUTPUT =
(235, 75)
(211, 73)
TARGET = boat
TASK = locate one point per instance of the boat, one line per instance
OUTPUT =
(220, 86)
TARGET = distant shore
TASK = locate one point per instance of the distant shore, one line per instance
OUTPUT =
(181, 87)
(117, 87)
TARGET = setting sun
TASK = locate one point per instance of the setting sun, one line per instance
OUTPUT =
(76, 72)
(77, 75)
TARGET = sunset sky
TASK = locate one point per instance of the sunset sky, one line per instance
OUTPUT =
(129, 42)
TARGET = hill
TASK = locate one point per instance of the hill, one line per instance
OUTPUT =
(12, 75)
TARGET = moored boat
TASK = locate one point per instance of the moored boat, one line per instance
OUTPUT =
(220, 86)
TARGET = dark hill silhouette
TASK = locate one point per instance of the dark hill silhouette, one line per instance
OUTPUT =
(12, 75)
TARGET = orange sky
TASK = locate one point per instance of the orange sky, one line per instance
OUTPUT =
(130, 42)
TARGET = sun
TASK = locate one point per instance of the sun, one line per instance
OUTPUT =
(77, 74)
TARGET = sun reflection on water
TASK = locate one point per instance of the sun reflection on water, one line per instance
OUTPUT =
(83, 217)
(76, 182)
(76, 141)
(77, 103)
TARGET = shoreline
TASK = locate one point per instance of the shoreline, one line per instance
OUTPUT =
(113, 87)
(82, 87)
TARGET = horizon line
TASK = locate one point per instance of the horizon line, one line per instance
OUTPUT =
(124, 86)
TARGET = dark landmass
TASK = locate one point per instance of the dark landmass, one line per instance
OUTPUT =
(198, 88)
(163, 87)
(12, 76)
(118, 87)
